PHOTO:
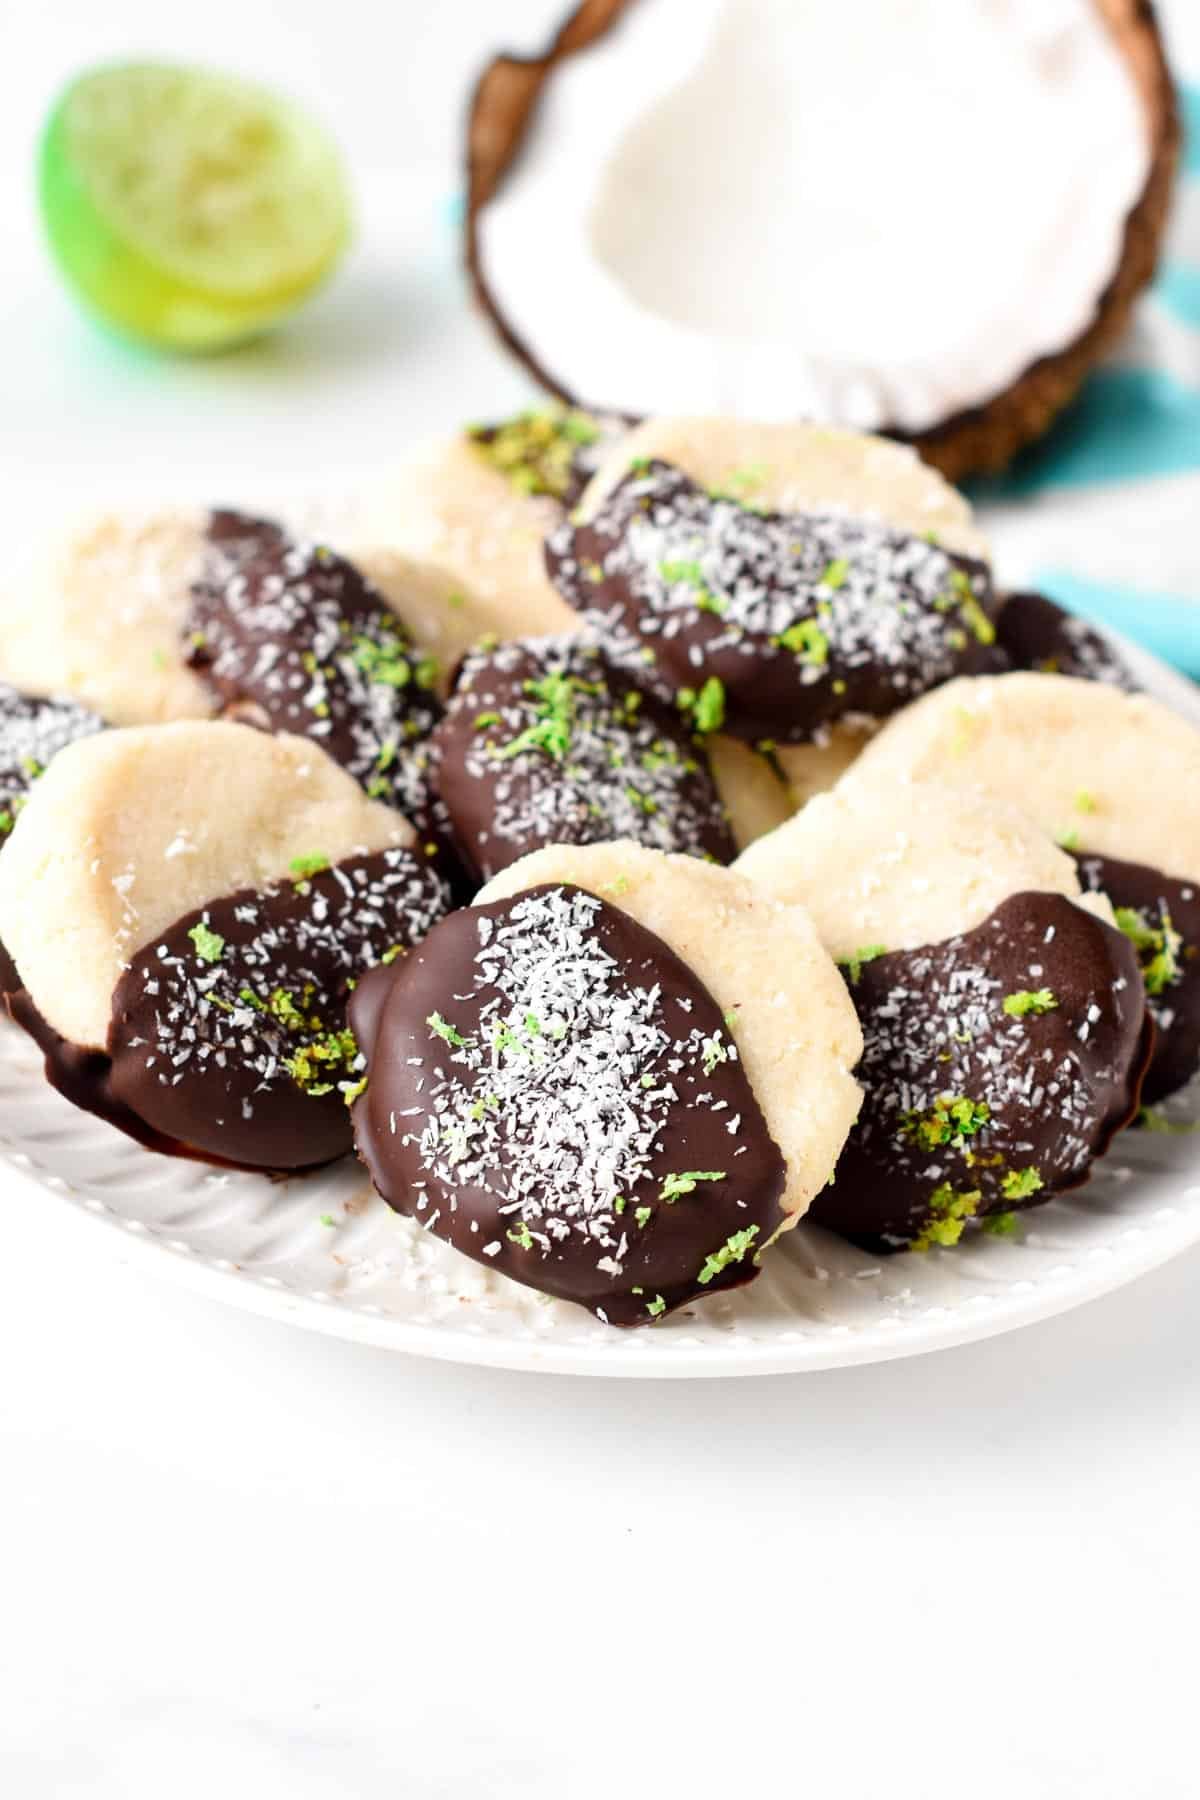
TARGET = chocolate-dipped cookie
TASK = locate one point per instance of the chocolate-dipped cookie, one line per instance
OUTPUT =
(545, 742)
(573, 1084)
(1037, 634)
(1160, 915)
(248, 996)
(798, 618)
(187, 907)
(292, 636)
(1110, 775)
(997, 1003)
(997, 1065)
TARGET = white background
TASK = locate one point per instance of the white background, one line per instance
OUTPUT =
(235, 1558)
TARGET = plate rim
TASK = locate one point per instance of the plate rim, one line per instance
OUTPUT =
(838, 1347)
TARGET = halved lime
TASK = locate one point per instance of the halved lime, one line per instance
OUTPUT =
(187, 208)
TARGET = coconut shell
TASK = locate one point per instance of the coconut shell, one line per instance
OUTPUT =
(979, 440)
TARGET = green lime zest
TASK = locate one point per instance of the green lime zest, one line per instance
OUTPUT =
(315, 1067)
(675, 1186)
(733, 1250)
(448, 1033)
(1159, 947)
(950, 1120)
(1029, 1000)
(969, 609)
(385, 660)
(209, 945)
(301, 867)
(949, 1211)
(535, 450)
(705, 706)
(808, 642)
(554, 697)
(854, 963)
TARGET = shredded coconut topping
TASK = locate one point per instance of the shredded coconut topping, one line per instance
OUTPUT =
(962, 1090)
(257, 986)
(618, 769)
(559, 1100)
(32, 732)
(297, 631)
(819, 597)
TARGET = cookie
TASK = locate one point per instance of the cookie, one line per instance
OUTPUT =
(291, 636)
(1108, 774)
(811, 769)
(798, 618)
(753, 787)
(188, 906)
(1037, 634)
(1002, 1013)
(615, 1078)
(102, 618)
(901, 864)
(544, 742)
(998, 1064)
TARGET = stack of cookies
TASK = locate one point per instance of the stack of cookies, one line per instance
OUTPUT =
(633, 842)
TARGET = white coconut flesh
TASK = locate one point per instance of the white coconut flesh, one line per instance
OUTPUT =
(874, 214)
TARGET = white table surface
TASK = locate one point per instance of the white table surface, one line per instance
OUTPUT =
(239, 1559)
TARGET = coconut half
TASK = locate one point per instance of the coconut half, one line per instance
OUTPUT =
(928, 220)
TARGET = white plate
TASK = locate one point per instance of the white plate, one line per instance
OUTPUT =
(323, 1251)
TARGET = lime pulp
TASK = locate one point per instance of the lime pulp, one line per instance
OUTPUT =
(186, 208)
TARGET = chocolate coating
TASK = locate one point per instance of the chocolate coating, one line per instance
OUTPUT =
(803, 618)
(539, 1070)
(1161, 904)
(1037, 634)
(602, 761)
(32, 732)
(1039, 1095)
(293, 637)
(83, 1076)
(205, 1026)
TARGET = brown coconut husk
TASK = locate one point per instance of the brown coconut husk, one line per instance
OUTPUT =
(980, 440)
